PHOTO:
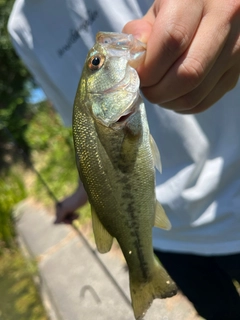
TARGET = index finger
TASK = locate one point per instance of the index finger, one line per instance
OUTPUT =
(174, 24)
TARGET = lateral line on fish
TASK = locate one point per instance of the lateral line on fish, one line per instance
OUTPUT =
(137, 243)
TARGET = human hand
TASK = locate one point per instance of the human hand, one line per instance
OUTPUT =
(193, 52)
(65, 210)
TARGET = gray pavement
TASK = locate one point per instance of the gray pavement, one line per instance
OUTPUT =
(76, 282)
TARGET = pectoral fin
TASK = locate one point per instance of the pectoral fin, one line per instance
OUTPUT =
(156, 154)
(161, 220)
(102, 238)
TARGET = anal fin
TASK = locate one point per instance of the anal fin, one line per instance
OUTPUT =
(102, 237)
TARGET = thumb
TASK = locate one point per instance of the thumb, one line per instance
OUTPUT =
(140, 29)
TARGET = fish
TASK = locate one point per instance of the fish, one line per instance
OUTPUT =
(116, 158)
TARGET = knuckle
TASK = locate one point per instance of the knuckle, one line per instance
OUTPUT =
(177, 38)
(191, 72)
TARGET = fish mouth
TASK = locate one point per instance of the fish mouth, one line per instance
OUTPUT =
(123, 44)
(125, 118)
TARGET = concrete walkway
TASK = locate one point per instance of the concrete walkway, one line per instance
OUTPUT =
(76, 282)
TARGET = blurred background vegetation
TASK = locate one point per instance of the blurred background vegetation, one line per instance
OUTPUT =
(31, 136)
(15, 85)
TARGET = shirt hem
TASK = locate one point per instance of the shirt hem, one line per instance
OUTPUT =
(209, 249)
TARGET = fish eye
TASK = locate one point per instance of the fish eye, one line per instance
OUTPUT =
(96, 62)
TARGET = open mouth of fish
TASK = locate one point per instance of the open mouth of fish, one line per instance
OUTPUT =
(124, 118)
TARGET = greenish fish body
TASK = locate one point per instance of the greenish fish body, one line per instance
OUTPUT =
(116, 156)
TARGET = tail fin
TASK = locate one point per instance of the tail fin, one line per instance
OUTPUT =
(142, 294)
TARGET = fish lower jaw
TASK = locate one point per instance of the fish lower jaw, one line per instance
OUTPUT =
(122, 121)
(125, 117)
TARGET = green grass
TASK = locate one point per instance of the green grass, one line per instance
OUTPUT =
(19, 298)
(53, 155)
(12, 191)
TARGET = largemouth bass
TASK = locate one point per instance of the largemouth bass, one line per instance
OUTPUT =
(116, 156)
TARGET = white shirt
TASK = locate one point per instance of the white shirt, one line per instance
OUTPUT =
(200, 184)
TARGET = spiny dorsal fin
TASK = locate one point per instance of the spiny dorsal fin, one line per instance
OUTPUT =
(156, 154)
(102, 238)
(161, 220)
